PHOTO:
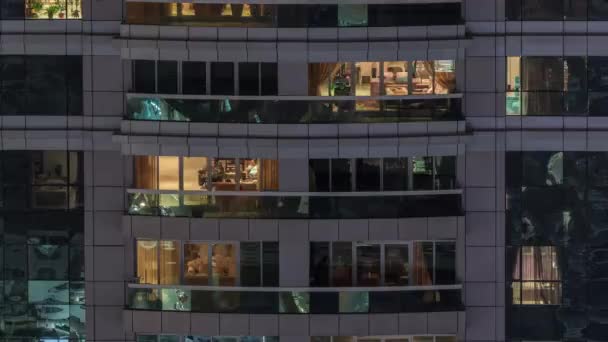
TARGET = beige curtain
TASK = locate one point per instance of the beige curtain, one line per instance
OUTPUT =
(317, 74)
(147, 262)
(270, 175)
(145, 173)
(169, 262)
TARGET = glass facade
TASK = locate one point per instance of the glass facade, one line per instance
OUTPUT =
(42, 252)
(556, 218)
(556, 10)
(399, 338)
(41, 85)
(554, 86)
(293, 15)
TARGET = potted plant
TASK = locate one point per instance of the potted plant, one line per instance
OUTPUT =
(52, 10)
(76, 9)
(35, 9)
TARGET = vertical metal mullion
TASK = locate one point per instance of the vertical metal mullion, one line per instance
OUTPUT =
(354, 78)
(237, 259)
(434, 262)
(156, 76)
(158, 265)
(382, 263)
(330, 174)
(331, 263)
(208, 78)
(210, 263)
(260, 78)
(236, 78)
(434, 162)
(180, 169)
(179, 77)
(381, 174)
(354, 263)
(237, 173)
(381, 77)
(353, 174)
(261, 263)
(410, 172)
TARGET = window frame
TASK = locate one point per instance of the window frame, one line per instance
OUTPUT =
(382, 244)
(210, 243)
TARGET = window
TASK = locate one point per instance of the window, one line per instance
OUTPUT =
(144, 77)
(382, 264)
(41, 85)
(201, 173)
(249, 81)
(222, 78)
(396, 78)
(401, 338)
(536, 276)
(388, 174)
(550, 10)
(167, 77)
(194, 78)
(208, 263)
(270, 79)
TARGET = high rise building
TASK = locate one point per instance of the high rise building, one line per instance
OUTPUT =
(304, 171)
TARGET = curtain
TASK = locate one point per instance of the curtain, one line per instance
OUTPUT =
(445, 80)
(317, 74)
(270, 175)
(147, 262)
(169, 262)
(540, 274)
(146, 168)
(422, 271)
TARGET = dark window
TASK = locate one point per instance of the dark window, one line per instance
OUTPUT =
(318, 175)
(167, 77)
(368, 174)
(249, 79)
(144, 76)
(395, 174)
(543, 10)
(12, 9)
(270, 79)
(341, 175)
(319, 264)
(598, 69)
(598, 9)
(322, 15)
(513, 9)
(368, 265)
(250, 264)
(13, 85)
(542, 73)
(194, 80)
(575, 9)
(222, 78)
(74, 83)
(342, 264)
(292, 16)
(270, 264)
(445, 265)
(46, 85)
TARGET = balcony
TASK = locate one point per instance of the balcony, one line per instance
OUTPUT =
(294, 109)
(281, 300)
(293, 205)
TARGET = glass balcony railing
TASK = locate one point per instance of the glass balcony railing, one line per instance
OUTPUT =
(234, 204)
(270, 110)
(295, 301)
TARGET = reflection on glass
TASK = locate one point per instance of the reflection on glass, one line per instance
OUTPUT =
(396, 265)
(52, 9)
(368, 174)
(422, 173)
(175, 300)
(353, 302)
(294, 302)
(368, 265)
(342, 264)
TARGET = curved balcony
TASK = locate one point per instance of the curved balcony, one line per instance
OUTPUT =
(293, 109)
(294, 205)
(281, 300)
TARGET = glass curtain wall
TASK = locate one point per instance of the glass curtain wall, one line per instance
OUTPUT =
(42, 249)
(556, 242)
